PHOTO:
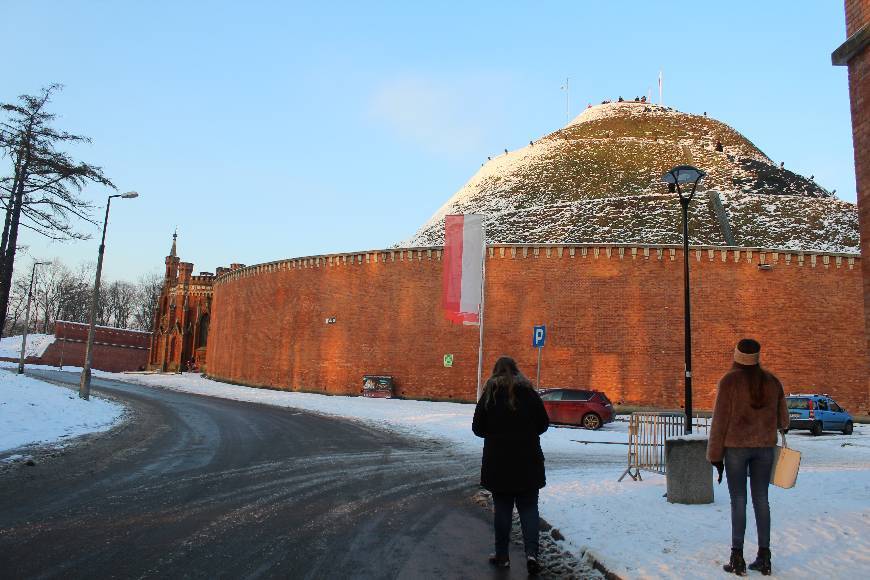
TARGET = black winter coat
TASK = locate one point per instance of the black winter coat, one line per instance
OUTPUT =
(512, 456)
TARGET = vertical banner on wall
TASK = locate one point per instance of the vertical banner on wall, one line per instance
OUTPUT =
(463, 267)
(464, 274)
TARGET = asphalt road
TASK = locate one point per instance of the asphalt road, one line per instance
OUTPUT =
(204, 487)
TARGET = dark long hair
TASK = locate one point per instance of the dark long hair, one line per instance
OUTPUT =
(504, 376)
(754, 374)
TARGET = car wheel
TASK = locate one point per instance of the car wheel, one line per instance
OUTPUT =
(817, 428)
(847, 429)
(591, 421)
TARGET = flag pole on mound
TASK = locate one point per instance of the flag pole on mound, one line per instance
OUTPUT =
(464, 271)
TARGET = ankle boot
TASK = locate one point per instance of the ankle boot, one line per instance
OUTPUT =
(762, 562)
(737, 565)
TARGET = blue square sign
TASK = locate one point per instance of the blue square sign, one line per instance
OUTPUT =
(539, 336)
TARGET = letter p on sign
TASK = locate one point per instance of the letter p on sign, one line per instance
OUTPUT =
(539, 336)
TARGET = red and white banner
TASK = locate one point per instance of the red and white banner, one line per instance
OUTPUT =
(463, 267)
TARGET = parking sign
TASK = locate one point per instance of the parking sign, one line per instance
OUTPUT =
(539, 336)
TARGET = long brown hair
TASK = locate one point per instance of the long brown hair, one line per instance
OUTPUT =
(504, 376)
(754, 374)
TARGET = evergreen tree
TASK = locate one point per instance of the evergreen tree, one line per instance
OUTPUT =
(43, 191)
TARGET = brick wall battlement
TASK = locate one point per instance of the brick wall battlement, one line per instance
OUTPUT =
(634, 251)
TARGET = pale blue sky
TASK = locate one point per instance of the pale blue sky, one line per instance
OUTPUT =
(267, 130)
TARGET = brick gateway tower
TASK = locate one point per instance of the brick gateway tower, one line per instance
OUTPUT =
(183, 316)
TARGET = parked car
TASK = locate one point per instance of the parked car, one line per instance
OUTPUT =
(589, 409)
(817, 413)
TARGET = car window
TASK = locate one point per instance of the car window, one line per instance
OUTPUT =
(796, 403)
(836, 407)
(823, 405)
(552, 396)
(576, 395)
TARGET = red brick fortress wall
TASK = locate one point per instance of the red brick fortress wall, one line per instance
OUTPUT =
(613, 315)
(858, 17)
(115, 349)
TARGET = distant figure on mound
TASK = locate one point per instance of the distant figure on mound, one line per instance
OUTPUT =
(750, 406)
(511, 417)
(621, 99)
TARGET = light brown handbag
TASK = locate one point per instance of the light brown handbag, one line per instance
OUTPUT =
(786, 463)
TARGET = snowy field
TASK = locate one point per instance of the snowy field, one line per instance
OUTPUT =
(821, 525)
(33, 411)
(10, 346)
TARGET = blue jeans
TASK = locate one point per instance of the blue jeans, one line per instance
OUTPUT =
(527, 507)
(758, 462)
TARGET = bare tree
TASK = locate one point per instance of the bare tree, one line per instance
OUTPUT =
(120, 298)
(47, 292)
(43, 192)
(61, 293)
(148, 292)
(17, 302)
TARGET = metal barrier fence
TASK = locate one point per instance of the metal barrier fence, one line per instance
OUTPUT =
(647, 433)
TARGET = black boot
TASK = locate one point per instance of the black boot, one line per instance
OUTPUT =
(737, 565)
(762, 562)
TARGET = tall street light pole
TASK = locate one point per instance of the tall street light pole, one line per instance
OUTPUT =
(685, 174)
(85, 383)
(27, 316)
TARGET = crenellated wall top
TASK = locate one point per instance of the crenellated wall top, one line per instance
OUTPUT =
(769, 257)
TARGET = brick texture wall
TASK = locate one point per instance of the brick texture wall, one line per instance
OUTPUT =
(614, 318)
(858, 15)
(115, 349)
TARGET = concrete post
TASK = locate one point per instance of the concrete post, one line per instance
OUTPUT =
(689, 474)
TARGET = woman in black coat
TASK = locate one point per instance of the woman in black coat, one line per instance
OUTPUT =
(510, 417)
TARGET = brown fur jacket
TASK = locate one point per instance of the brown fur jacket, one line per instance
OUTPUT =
(737, 424)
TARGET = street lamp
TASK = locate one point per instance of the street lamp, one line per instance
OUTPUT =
(85, 384)
(27, 316)
(683, 175)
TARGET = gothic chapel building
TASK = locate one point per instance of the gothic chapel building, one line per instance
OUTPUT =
(182, 316)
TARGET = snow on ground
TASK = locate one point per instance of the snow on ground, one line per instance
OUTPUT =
(10, 346)
(33, 411)
(820, 525)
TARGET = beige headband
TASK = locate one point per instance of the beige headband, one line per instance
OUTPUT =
(746, 359)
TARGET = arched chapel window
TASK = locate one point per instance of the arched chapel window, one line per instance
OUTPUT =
(203, 331)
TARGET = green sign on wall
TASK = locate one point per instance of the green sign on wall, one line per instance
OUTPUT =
(448, 360)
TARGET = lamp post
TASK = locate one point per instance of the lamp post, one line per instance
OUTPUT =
(684, 175)
(85, 384)
(27, 316)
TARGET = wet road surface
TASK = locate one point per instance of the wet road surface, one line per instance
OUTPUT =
(201, 487)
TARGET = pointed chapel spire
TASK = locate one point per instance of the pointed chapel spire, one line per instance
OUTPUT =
(172, 252)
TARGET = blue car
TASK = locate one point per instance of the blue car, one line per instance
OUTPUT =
(817, 413)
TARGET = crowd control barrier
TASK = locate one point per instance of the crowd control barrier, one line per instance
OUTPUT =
(647, 433)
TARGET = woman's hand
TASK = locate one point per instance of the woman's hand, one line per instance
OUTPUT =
(720, 468)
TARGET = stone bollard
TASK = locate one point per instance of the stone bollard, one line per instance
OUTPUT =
(689, 474)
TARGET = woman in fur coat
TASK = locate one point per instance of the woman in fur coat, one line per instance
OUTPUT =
(750, 407)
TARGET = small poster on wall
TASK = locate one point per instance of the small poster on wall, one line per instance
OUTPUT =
(379, 386)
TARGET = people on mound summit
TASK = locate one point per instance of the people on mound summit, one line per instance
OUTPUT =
(750, 406)
(510, 418)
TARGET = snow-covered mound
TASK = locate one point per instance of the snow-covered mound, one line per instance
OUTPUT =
(10, 346)
(598, 180)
